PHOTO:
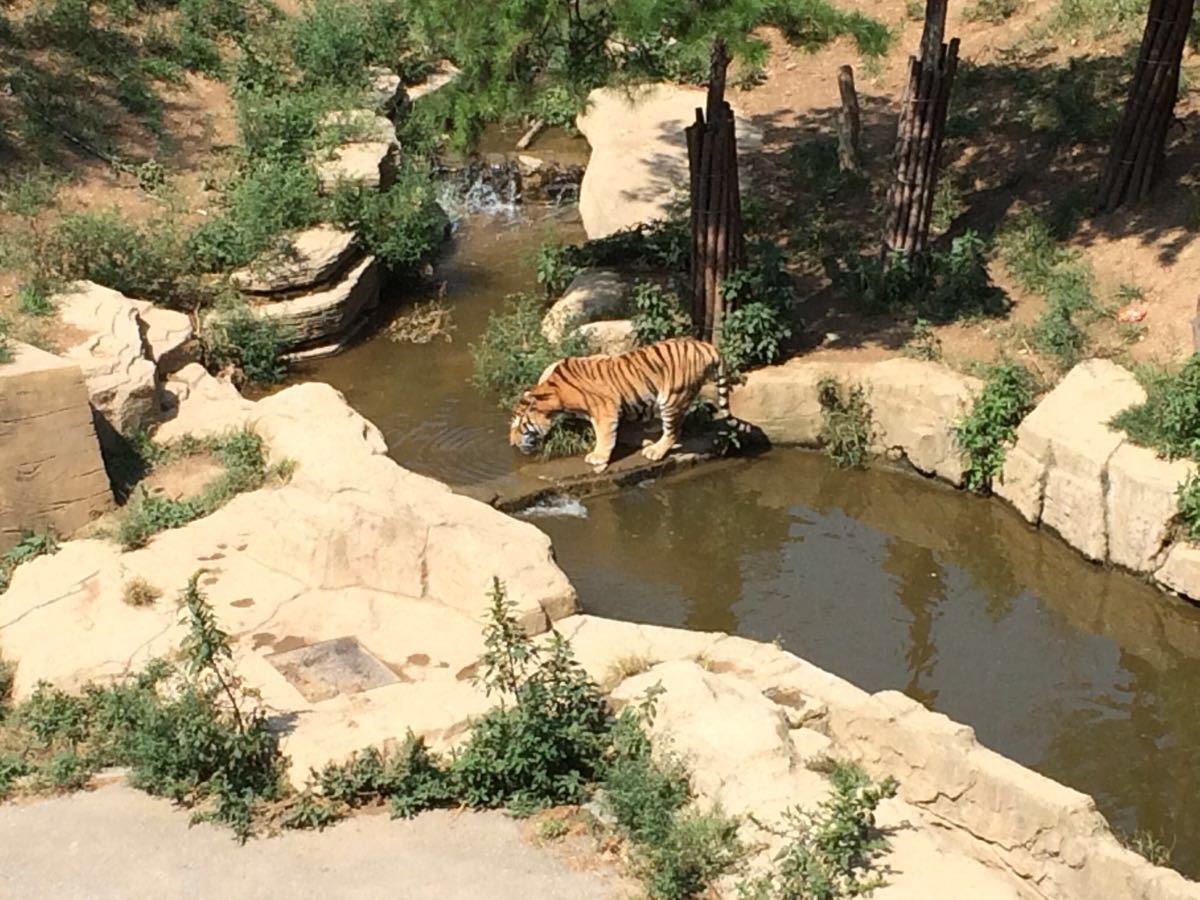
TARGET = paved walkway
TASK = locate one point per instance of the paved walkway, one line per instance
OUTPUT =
(120, 843)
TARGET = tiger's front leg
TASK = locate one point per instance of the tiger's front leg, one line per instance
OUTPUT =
(605, 426)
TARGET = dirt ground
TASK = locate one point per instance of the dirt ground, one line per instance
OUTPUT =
(998, 170)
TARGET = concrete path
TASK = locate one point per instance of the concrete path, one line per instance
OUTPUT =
(116, 842)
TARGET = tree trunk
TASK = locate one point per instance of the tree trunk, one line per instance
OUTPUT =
(718, 243)
(1139, 145)
(850, 123)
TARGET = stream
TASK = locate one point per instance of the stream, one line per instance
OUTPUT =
(887, 579)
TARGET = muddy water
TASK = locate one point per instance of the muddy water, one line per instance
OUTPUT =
(888, 580)
(420, 395)
(892, 581)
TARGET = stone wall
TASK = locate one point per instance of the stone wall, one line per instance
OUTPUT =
(1068, 470)
(51, 473)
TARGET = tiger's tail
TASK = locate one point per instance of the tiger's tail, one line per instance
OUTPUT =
(732, 428)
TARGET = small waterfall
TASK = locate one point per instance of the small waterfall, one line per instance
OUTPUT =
(491, 187)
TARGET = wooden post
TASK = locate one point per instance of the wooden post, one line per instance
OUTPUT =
(1196, 329)
(919, 138)
(718, 242)
(1139, 145)
(849, 124)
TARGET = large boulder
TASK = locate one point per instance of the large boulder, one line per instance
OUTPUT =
(593, 294)
(366, 152)
(1055, 474)
(121, 382)
(51, 473)
(197, 404)
(1141, 505)
(1181, 571)
(639, 167)
(312, 257)
(325, 318)
(354, 594)
(612, 337)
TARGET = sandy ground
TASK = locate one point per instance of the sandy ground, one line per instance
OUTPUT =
(116, 842)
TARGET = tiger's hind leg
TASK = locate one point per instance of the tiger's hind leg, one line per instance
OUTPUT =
(672, 419)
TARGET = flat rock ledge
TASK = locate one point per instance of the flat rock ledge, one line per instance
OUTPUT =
(358, 558)
(311, 257)
(1068, 470)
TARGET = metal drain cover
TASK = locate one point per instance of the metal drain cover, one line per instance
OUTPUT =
(326, 669)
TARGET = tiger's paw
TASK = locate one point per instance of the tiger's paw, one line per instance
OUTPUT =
(597, 462)
(655, 452)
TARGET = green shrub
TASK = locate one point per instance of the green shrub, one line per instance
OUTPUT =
(1100, 17)
(6, 354)
(924, 344)
(545, 744)
(1169, 420)
(236, 336)
(812, 24)
(663, 245)
(697, 849)
(658, 314)
(945, 286)
(829, 852)
(1188, 506)
(241, 454)
(188, 735)
(846, 423)
(568, 437)
(759, 297)
(7, 677)
(1148, 846)
(150, 262)
(336, 41)
(12, 768)
(512, 353)
(555, 266)
(984, 435)
(401, 226)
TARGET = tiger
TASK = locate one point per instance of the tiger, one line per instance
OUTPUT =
(663, 377)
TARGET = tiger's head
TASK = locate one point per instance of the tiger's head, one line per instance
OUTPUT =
(533, 415)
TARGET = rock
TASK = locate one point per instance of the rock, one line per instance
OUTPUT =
(916, 406)
(200, 405)
(367, 153)
(1055, 473)
(120, 379)
(352, 547)
(442, 74)
(1181, 571)
(614, 336)
(1141, 505)
(385, 91)
(312, 258)
(51, 472)
(169, 336)
(592, 295)
(547, 182)
(782, 400)
(639, 155)
(329, 315)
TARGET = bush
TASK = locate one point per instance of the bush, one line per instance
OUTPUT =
(241, 453)
(759, 297)
(829, 852)
(236, 336)
(1188, 504)
(664, 245)
(6, 354)
(984, 435)
(658, 314)
(548, 746)
(336, 41)
(513, 352)
(1169, 420)
(188, 735)
(151, 263)
(33, 301)
(401, 226)
(846, 426)
(993, 11)
(945, 286)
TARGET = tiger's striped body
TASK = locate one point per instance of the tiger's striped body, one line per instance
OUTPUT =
(663, 377)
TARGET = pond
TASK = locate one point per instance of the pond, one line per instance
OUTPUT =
(889, 580)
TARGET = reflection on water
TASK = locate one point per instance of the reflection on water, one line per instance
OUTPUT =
(892, 581)
(420, 395)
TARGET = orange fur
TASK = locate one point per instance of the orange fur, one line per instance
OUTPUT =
(665, 376)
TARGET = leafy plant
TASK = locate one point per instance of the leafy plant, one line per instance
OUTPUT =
(829, 851)
(545, 743)
(6, 354)
(1147, 845)
(986, 432)
(759, 299)
(924, 344)
(846, 423)
(401, 226)
(236, 336)
(1169, 420)
(32, 300)
(1188, 495)
(512, 353)
(658, 314)
(993, 11)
